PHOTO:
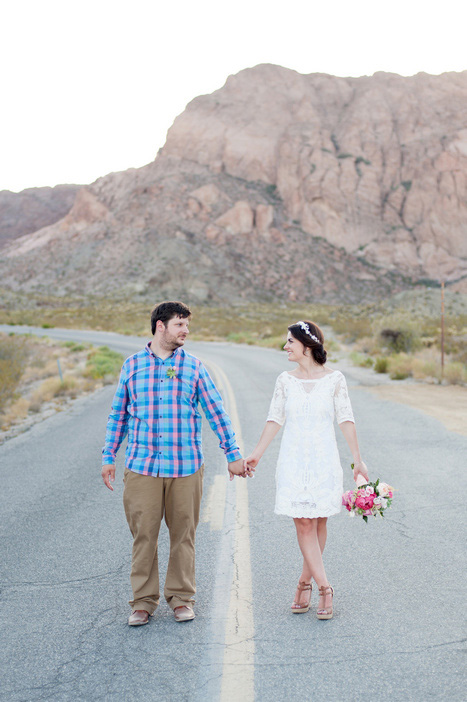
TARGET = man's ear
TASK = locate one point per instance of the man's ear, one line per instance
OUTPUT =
(160, 326)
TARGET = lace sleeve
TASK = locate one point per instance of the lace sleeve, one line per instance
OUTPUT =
(342, 406)
(277, 407)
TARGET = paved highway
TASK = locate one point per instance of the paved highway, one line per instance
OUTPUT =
(398, 628)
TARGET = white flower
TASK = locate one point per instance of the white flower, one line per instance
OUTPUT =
(383, 489)
(306, 329)
(378, 500)
(351, 514)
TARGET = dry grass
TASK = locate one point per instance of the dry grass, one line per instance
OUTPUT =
(37, 384)
(408, 324)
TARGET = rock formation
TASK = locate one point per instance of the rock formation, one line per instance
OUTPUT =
(276, 186)
(34, 208)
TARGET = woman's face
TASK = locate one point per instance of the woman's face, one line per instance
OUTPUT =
(294, 348)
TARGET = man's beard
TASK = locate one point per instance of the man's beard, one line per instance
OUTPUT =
(172, 343)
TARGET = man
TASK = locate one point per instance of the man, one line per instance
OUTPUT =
(156, 403)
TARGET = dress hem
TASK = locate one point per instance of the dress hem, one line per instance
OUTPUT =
(307, 516)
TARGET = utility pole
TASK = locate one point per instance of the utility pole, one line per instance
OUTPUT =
(442, 329)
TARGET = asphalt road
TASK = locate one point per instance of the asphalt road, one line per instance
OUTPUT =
(398, 628)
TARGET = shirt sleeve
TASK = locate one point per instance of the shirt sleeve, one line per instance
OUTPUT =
(342, 406)
(211, 402)
(277, 407)
(117, 423)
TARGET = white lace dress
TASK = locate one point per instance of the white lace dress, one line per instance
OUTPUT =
(309, 478)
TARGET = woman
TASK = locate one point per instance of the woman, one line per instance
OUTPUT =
(309, 477)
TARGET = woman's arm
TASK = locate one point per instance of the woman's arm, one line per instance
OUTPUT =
(350, 435)
(269, 432)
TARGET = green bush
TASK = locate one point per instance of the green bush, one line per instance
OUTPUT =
(359, 359)
(381, 364)
(74, 346)
(104, 363)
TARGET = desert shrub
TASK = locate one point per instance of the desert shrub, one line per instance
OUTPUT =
(16, 411)
(381, 364)
(455, 373)
(241, 338)
(359, 359)
(52, 388)
(400, 366)
(400, 339)
(12, 362)
(104, 363)
(423, 368)
(73, 346)
(351, 328)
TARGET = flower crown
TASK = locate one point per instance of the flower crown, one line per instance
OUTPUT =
(306, 329)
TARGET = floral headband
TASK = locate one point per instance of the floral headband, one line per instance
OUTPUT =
(306, 329)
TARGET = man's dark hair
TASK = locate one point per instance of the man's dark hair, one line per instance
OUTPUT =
(167, 311)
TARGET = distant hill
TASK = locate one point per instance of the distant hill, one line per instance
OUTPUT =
(277, 186)
(26, 212)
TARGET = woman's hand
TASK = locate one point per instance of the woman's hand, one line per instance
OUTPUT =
(250, 464)
(359, 468)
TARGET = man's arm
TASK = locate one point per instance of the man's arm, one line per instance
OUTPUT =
(117, 427)
(219, 421)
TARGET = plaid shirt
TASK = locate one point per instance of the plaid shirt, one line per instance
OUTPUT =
(160, 414)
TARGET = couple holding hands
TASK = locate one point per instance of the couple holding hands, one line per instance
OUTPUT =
(157, 404)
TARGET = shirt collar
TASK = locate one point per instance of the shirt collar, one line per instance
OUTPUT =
(171, 358)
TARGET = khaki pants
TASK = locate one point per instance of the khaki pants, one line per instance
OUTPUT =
(147, 499)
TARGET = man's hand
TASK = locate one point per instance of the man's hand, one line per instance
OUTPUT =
(236, 468)
(108, 475)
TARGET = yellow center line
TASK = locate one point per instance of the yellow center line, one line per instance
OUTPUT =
(239, 649)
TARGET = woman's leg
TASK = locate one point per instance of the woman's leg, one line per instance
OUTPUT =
(307, 535)
(322, 535)
(322, 532)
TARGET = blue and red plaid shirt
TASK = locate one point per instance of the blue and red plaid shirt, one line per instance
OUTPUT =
(156, 403)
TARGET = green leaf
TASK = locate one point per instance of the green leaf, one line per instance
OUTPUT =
(365, 518)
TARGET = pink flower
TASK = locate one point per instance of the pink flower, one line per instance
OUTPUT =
(364, 502)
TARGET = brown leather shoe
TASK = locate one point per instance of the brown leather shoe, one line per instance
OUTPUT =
(138, 617)
(183, 613)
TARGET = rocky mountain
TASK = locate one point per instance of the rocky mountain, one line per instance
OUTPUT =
(277, 186)
(26, 212)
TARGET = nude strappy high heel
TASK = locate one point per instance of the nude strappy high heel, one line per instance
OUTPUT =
(301, 587)
(325, 612)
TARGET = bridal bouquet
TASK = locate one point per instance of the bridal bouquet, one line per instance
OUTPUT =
(368, 500)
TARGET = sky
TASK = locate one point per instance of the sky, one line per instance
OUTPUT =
(91, 87)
